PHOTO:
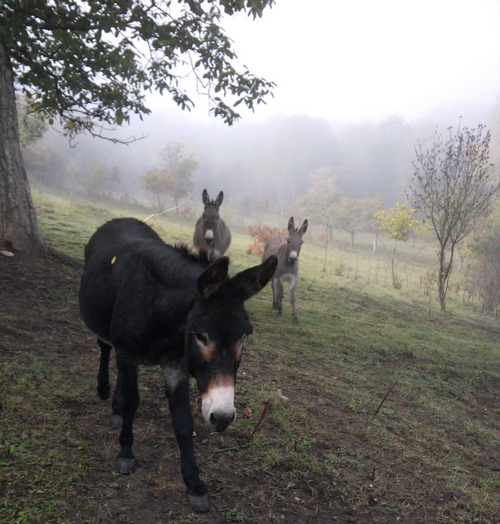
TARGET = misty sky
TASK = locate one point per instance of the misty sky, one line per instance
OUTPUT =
(364, 60)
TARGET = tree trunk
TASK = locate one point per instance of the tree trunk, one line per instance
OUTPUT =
(19, 228)
(375, 241)
(443, 276)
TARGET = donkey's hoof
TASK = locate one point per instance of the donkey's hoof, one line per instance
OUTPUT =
(280, 312)
(126, 465)
(295, 320)
(199, 504)
(116, 420)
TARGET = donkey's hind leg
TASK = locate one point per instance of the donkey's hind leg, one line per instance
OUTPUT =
(127, 395)
(117, 417)
(292, 301)
(274, 283)
(279, 295)
(103, 385)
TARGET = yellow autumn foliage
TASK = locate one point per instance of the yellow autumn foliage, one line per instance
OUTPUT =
(397, 221)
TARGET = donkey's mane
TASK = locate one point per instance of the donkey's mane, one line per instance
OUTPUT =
(190, 254)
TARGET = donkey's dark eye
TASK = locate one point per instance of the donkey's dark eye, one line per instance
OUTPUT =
(201, 338)
(288, 240)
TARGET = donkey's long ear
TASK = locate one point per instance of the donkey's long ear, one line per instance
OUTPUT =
(303, 228)
(218, 200)
(206, 198)
(211, 279)
(291, 225)
(250, 281)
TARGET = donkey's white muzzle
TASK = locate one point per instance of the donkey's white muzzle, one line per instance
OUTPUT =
(209, 236)
(218, 407)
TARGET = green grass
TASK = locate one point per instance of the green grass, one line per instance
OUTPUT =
(378, 402)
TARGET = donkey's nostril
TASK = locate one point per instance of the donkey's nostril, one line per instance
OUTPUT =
(220, 421)
(208, 241)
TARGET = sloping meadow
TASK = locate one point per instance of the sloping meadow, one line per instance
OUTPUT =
(376, 407)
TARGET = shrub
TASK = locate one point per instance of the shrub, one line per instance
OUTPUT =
(260, 236)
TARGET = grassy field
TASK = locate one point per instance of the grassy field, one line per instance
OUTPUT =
(376, 407)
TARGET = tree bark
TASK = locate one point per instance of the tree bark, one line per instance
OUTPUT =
(444, 275)
(19, 228)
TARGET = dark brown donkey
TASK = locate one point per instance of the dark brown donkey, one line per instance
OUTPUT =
(287, 252)
(161, 305)
(211, 233)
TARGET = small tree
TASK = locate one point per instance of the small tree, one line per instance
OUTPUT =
(484, 275)
(354, 214)
(157, 184)
(371, 224)
(398, 222)
(181, 169)
(101, 182)
(322, 199)
(482, 250)
(171, 179)
(453, 186)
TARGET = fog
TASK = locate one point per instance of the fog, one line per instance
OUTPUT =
(364, 60)
(357, 86)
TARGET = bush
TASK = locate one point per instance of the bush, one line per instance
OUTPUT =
(261, 235)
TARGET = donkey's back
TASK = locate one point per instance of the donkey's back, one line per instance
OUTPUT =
(125, 263)
(272, 248)
(118, 233)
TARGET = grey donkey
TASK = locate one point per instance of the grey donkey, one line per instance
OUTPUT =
(211, 233)
(287, 251)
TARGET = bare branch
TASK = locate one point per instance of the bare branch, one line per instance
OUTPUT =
(170, 209)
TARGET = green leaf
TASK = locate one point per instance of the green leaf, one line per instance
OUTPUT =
(119, 117)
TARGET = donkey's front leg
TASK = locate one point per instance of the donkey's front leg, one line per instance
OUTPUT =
(177, 387)
(293, 283)
(128, 397)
